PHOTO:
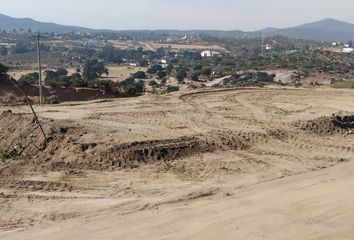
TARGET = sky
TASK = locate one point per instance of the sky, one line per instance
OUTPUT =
(244, 15)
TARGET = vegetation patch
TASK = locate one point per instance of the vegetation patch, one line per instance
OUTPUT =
(11, 153)
(343, 84)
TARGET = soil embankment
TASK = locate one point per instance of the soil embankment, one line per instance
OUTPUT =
(10, 94)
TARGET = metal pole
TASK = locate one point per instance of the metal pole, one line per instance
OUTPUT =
(39, 70)
(262, 43)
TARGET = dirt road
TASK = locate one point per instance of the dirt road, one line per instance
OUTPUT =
(235, 164)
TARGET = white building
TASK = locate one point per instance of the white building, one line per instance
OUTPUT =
(348, 50)
(209, 53)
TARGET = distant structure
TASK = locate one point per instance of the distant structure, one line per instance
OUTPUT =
(209, 53)
(268, 47)
(348, 50)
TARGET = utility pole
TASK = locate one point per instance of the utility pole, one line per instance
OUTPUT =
(262, 43)
(39, 69)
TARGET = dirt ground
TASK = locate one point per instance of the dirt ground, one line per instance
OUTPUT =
(269, 163)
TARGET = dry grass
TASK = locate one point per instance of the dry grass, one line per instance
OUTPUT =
(119, 73)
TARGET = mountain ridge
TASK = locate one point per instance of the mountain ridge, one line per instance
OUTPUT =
(328, 29)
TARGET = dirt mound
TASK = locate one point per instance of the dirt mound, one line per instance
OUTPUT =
(37, 185)
(330, 125)
(130, 155)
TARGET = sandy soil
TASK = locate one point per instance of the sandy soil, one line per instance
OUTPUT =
(234, 164)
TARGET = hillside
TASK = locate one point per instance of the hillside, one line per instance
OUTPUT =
(324, 30)
(9, 23)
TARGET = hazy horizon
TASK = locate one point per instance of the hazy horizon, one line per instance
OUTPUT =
(182, 14)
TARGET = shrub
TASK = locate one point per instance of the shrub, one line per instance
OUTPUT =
(131, 87)
(172, 89)
(55, 74)
(139, 75)
(343, 84)
(11, 153)
(154, 69)
(153, 83)
(28, 79)
(67, 81)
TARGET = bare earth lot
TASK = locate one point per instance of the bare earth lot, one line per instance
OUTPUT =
(234, 164)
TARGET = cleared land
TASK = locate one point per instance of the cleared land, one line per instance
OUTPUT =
(119, 73)
(234, 164)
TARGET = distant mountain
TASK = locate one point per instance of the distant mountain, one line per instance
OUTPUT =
(324, 30)
(9, 23)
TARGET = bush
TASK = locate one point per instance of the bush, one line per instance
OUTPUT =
(61, 72)
(195, 75)
(67, 81)
(265, 77)
(106, 85)
(139, 75)
(4, 78)
(153, 84)
(172, 89)
(154, 69)
(181, 74)
(3, 69)
(11, 153)
(343, 84)
(131, 87)
(28, 79)
(161, 74)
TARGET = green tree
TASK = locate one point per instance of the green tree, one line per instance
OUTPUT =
(169, 69)
(28, 79)
(195, 75)
(94, 69)
(181, 74)
(3, 69)
(139, 75)
(161, 74)
(207, 71)
(154, 69)
(4, 78)
(61, 72)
